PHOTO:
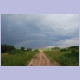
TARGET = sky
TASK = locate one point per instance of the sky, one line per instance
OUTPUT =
(40, 30)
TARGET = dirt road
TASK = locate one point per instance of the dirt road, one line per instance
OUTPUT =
(40, 60)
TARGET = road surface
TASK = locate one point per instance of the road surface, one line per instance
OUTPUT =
(40, 60)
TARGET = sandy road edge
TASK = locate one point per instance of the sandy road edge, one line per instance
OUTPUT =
(30, 61)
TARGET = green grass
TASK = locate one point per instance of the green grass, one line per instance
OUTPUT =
(64, 58)
(16, 59)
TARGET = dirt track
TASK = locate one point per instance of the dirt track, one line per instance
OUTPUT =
(40, 60)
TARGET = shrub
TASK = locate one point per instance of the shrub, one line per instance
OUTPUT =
(63, 49)
(12, 52)
(70, 58)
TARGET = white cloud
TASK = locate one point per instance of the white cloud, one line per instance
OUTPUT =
(69, 42)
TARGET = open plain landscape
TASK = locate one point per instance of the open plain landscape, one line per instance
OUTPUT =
(39, 39)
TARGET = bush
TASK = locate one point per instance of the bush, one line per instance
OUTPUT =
(29, 49)
(16, 52)
(63, 49)
(70, 59)
(12, 52)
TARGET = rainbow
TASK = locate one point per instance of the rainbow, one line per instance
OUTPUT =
(25, 42)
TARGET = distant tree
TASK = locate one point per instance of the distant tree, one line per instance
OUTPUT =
(36, 49)
(6, 48)
(22, 48)
(63, 49)
(29, 49)
(56, 47)
(3, 48)
(52, 48)
(74, 47)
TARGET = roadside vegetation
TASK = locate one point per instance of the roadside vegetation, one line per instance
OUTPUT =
(10, 56)
(65, 56)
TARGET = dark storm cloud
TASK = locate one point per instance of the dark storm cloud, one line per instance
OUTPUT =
(41, 30)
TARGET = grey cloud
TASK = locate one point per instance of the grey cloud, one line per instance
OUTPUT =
(50, 28)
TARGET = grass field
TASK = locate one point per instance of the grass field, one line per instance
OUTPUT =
(65, 58)
(18, 59)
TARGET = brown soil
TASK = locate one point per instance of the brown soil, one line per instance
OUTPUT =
(40, 60)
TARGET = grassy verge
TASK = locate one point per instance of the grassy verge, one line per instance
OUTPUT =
(65, 58)
(17, 58)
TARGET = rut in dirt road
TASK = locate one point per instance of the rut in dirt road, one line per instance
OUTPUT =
(40, 60)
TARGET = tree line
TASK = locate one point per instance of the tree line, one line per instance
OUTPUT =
(6, 48)
(68, 48)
